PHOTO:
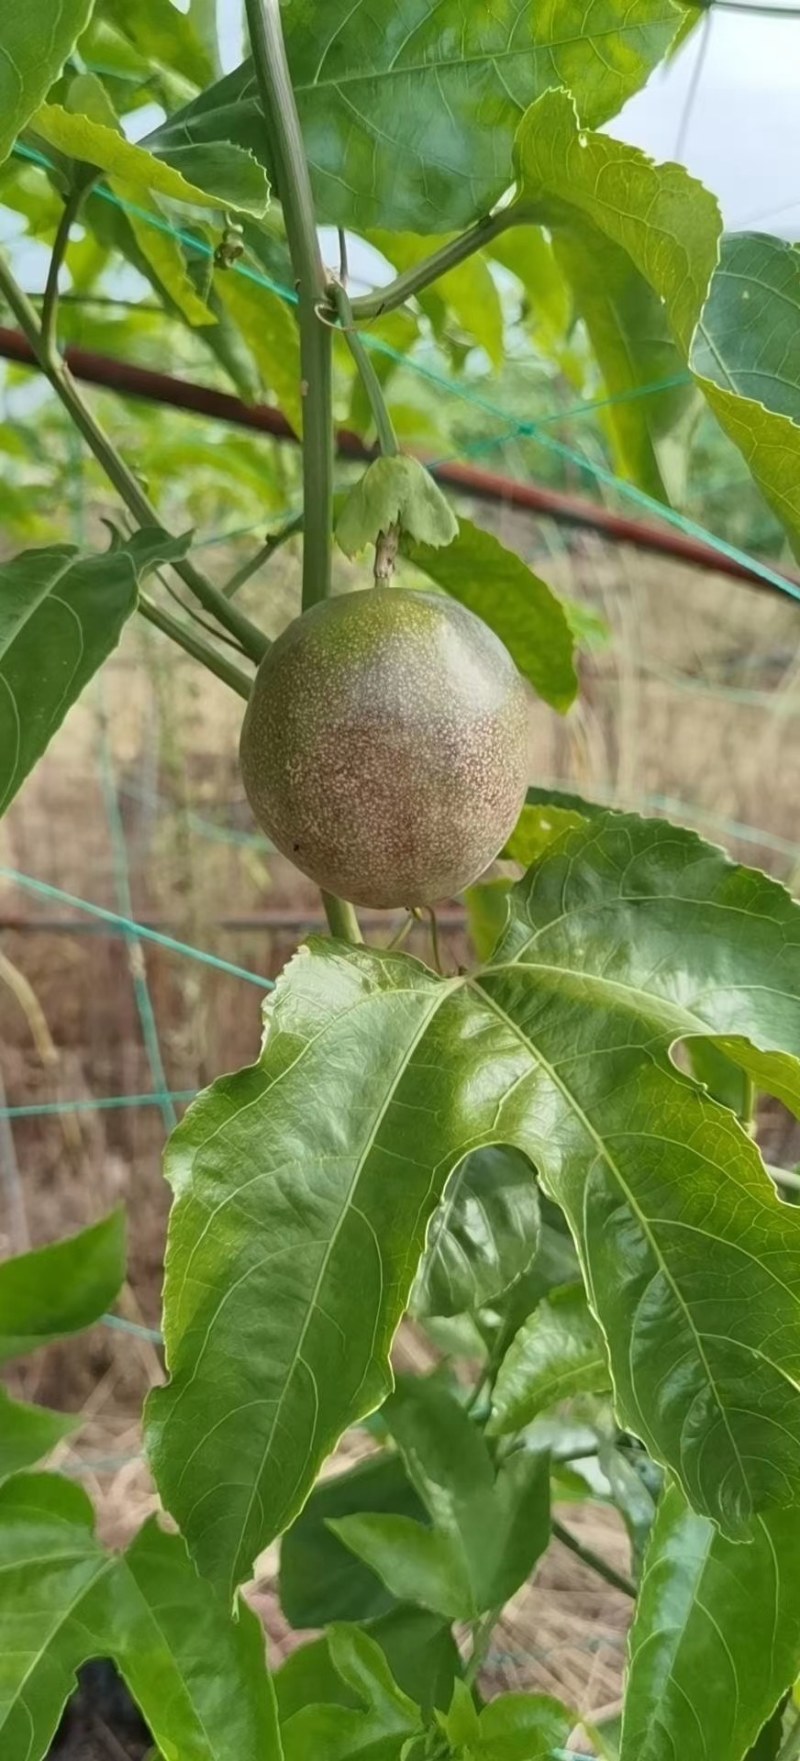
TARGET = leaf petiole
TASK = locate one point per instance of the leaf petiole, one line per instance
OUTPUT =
(273, 543)
(415, 280)
(387, 439)
(588, 1557)
(184, 636)
(481, 1640)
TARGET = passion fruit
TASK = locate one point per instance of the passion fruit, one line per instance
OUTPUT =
(384, 748)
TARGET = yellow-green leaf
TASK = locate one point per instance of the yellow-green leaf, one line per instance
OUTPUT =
(528, 255)
(670, 227)
(518, 605)
(664, 219)
(228, 176)
(559, 1351)
(538, 826)
(269, 328)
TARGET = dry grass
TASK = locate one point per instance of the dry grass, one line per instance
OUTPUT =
(696, 699)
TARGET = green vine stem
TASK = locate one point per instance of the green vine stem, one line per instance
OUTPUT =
(273, 543)
(197, 617)
(184, 636)
(387, 439)
(481, 1640)
(72, 206)
(593, 1560)
(252, 640)
(293, 184)
(414, 281)
(290, 168)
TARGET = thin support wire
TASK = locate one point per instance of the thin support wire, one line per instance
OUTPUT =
(693, 88)
(136, 961)
(116, 828)
(45, 890)
(95, 1104)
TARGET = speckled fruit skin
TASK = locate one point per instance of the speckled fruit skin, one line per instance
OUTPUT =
(384, 748)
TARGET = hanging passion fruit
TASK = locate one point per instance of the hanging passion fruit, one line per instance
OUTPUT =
(384, 748)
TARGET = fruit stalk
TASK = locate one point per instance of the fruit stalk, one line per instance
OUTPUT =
(422, 275)
(342, 919)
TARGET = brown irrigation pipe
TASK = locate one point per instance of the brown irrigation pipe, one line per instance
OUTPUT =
(204, 400)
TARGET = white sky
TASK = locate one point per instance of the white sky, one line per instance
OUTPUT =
(743, 135)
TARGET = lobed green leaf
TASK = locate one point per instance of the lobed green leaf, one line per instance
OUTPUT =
(198, 1675)
(304, 1185)
(409, 118)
